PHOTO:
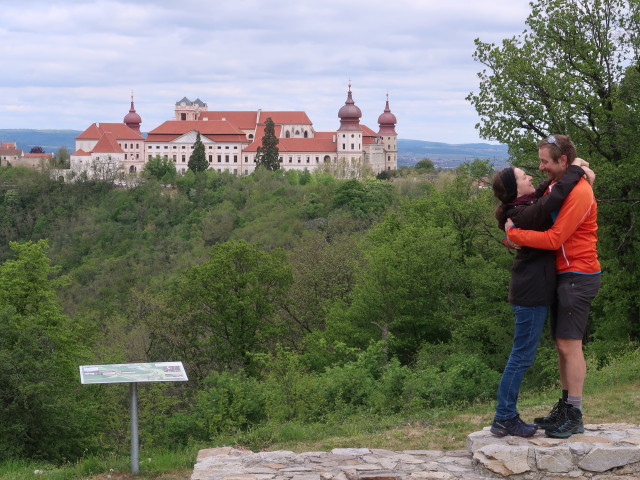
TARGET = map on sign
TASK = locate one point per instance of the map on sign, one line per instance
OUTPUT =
(133, 373)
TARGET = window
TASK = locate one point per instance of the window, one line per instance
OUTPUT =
(235, 147)
(150, 147)
(137, 145)
(174, 159)
(299, 159)
(306, 134)
(183, 147)
(125, 156)
(183, 159)
(352, 146)
(226, 147)
(246, 159)
(166, 147)
(210, 158)
(219, 147)
(290, 159)
(210, 147)
(157, 147)
(137, 155)
(226, 158)
(235, 159)
(174, 147)
(344, 146)
(317, 159)
(352, 135)
(308, 159)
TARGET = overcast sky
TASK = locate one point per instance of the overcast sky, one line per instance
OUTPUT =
(67, 63)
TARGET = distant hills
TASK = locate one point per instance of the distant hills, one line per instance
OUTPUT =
(49, 140)
(446, 155)
(443, 155)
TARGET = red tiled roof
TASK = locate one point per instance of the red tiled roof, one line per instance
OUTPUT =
(10, 149)
(367, 132)
(312, 145)
(247, 120)
(107, 144)
(80, 153)
(205, 127)
(119, 130)
(285, 118)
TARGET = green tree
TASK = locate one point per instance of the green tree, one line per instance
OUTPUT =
(562, 75)
(198, 159)
(222, 311)
(267, 155)
(41, 414)
(425, 165)
(62, 156)
(161, 168)
(575, 71)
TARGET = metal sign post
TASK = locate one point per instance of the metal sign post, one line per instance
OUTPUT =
(133, 373)
(135, 453)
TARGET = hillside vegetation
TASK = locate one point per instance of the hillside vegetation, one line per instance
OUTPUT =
(291, 298)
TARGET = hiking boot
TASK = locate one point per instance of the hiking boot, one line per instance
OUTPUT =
(571, 423)
(513, 426)
(555, 415)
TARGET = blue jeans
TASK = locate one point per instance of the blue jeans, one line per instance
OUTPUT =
(526, 337)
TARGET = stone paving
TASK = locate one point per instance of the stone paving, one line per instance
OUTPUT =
(603, 452)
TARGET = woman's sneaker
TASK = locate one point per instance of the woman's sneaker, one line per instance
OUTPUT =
(570, 424)
(555, 415)
(513, 426)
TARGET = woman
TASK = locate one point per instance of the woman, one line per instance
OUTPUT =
(533, 280)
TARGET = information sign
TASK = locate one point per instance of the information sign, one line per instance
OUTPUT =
(133, 373)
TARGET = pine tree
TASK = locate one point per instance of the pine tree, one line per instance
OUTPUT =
(198, 159)
(268, 155)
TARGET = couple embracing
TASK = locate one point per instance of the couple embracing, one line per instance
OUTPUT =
(556, 270)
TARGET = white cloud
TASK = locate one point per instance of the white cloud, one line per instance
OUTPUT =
(73, 63)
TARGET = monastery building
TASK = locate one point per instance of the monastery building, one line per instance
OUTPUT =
(231, 140)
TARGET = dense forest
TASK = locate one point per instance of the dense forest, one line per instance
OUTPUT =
(289, 297)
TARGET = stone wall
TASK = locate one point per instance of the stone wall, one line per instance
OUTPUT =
(603, 452)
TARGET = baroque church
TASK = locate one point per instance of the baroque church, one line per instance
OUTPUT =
(231, 140)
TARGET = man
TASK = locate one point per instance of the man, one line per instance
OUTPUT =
(573, 236)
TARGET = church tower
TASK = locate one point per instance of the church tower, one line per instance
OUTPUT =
(349, 135)
(132, 119)
(387, 132)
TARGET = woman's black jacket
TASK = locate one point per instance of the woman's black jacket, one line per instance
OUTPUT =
(533, 273)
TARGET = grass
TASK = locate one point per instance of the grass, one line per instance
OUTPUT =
(612, 395)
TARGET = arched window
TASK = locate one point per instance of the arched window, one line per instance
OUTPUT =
(132, 169)
(306, 134)
(327, 159)
(287, 134)
(251, 136)
(297, 132)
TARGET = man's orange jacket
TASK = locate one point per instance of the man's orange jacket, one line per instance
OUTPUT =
(573, 234)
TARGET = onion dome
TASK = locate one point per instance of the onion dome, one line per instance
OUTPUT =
(132, 119)
(387, 121)
(349, 114)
